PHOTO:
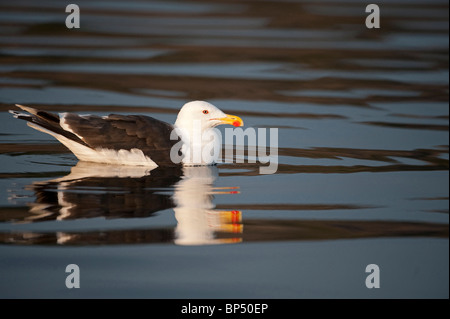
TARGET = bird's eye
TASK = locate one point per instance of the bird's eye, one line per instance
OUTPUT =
(205, 111)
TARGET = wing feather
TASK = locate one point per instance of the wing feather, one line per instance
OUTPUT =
(125, 132)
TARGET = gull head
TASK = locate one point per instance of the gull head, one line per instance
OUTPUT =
(204, 115)
(195, 124)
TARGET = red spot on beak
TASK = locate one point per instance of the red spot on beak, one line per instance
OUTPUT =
(236, 123)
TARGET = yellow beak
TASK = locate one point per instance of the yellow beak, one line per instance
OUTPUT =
(232, 120)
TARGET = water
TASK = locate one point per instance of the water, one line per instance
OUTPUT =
(362, 177)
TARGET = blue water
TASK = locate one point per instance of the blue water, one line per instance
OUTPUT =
(362, 169)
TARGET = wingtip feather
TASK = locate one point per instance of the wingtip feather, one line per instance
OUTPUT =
(15, 113)
(27, 109)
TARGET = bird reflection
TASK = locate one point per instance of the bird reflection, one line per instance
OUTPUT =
(93, 190)
(105, 191)
(194, 210)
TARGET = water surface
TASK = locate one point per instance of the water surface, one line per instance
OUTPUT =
(362, 178)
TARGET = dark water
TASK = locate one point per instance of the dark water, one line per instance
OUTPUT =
(362, 117)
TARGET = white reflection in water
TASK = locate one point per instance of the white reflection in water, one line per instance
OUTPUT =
(111, 191)
(194, 210)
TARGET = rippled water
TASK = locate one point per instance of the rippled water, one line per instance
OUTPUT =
(362, 117)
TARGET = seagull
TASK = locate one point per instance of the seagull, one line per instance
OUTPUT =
(136, 140)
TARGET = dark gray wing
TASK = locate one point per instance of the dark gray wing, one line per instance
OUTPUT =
(126, 132)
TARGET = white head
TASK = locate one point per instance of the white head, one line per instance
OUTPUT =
(195, 122)
(204, 114)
